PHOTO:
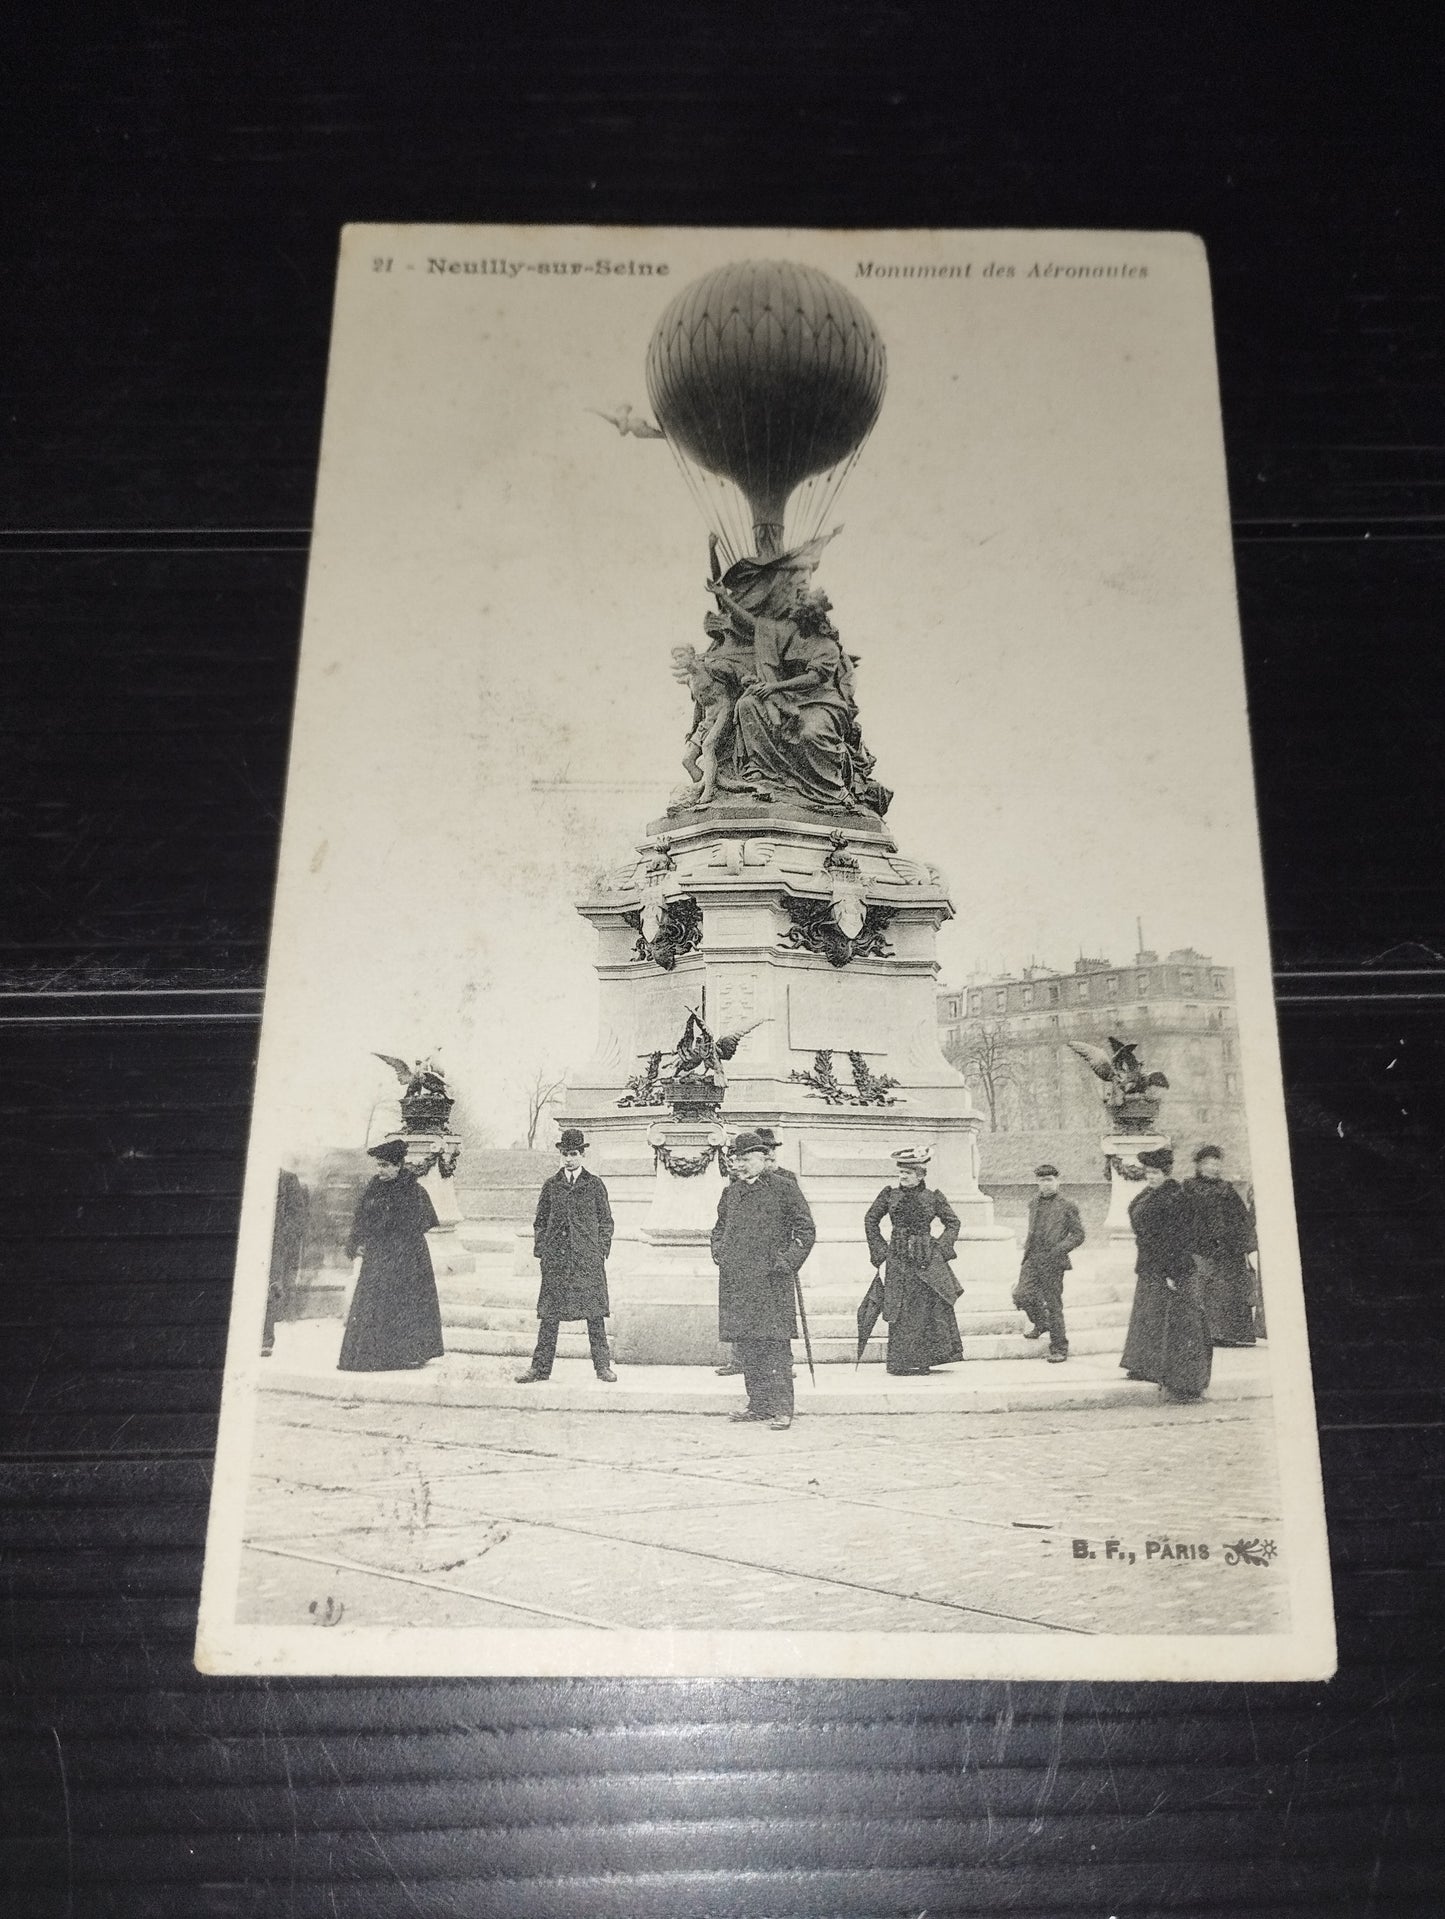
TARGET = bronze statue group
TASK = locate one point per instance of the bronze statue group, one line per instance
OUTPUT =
(1195, 1287)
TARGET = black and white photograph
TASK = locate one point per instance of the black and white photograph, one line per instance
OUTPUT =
(768, 1153)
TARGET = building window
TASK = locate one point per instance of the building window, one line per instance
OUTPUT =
(1081, 991)
(1141, 983)
(1231, 1082)
(1000, 1000)
(1226, 1046)
(1028, 996)
(1111, 988)
(1186, 981)
(1053, 995)
(1219, 984)
(975, 1001)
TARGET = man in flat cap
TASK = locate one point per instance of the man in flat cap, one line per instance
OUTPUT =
(572, 1236)
(763, 1234)
(1055, 1231)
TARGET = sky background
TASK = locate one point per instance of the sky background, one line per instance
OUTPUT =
(1034, 569)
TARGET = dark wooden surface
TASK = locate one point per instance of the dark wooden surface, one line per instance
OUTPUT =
(175, 193)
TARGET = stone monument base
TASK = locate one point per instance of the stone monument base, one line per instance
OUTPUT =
(806, 944)
(662, 1281)
(1126, 1182)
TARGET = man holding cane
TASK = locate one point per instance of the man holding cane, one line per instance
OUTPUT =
(764, 1232)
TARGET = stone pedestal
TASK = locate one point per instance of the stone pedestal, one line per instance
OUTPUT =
(663, 1283)
(1126, 1182)
(752, 882)
(445, 1198)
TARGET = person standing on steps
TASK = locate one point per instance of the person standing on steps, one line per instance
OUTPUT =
(919, 1288)
(1224, 1239)
(395, 1320)
(572, 1236)
(763, 1234)
(1055, 1231)
(1168, 1338)
(733, 1369)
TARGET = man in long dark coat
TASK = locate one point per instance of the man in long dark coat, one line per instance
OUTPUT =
(1055, 1231)
(733, 1368)
(572, 1236)
(1224, 1239)
(763, 1234)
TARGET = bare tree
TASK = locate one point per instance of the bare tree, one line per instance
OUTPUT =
(541, 1091)
(988, 1060)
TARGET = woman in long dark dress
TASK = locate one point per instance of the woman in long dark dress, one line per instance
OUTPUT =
(395, 1320)
(918, 1284)
(1224, 1239)
(1168, 1338)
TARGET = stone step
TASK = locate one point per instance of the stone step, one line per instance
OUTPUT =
(834, 1350)
(515, 1344)
(451, 1260)
(489, 1290)
(828, 1349)
(491, 1235)
(489, 1316)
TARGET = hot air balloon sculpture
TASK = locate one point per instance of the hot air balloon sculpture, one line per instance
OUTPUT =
(766, 378)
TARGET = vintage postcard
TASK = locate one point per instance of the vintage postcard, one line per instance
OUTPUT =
(769, 1154)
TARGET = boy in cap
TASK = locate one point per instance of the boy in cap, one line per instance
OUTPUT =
(1055, 1231)
(572, 1236)
(763, 1234)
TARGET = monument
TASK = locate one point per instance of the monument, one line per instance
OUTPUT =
(767, 957)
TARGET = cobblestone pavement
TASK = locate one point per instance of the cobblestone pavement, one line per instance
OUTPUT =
(386, 1516)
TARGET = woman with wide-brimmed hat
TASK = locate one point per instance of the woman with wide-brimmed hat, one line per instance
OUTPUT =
(1168, 1338)
(918, 1283)
(395, 1320)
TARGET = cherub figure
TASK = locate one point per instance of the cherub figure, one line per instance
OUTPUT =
(712, 711)
(627, 420)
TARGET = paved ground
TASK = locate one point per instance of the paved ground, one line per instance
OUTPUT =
(386, 1514)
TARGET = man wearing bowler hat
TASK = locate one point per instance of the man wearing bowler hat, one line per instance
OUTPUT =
(763, 1234)
(733, 1369)
(572, 1236)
